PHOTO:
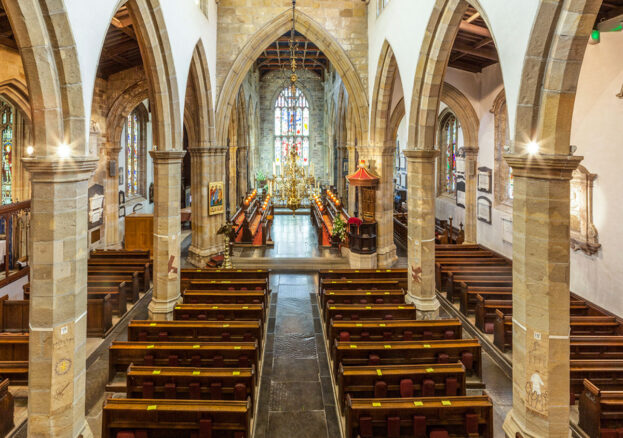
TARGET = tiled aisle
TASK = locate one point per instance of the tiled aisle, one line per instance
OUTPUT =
(296, 398)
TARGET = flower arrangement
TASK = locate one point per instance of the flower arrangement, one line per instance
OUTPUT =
(339, 229)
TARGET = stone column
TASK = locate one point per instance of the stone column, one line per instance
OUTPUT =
(233, 179)
(339, 177)
(167, 233)
(421, 209)
(208, 165)
(540, 295)
(382, 160)
(471, 184)
(58, 296)
(352, 168)
(111, 199)
(243, 188)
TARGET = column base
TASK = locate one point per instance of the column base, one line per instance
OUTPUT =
(200, 257)
(86, 431)
(387, 256)
(162, 310)
(513, 429)
(362, 261)
(425, 308)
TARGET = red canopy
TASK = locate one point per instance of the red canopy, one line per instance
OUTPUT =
(363, 178)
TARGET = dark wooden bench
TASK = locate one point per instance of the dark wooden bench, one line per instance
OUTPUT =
(177, 418)
(605, 373)
(352, 274)
(219, 312)
(400, 381)
(228, 284)
(187, 275)
(596, 347)
(143, 274)
(469, 296)
(225, 297)
(13, 347)
(130, 281)
(361, 284)
(184, 354)
(15, 371)
(447, 270)
(118, 298)
(354, 312)
(460, 416)
(393, 296)
(467, 351)
(601, 411)
(457, 285)
(120, 253)
(7, 408)
(188, 331)
(398, 330)
(190, 383)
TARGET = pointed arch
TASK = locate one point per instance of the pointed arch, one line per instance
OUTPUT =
(121, 108)
(201, 122)
(395, 119)
(16, 92)
(464, 111)
(266, 35)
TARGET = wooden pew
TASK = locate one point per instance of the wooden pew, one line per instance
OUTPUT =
(191, 383)
(360, 284)
(225, 297)
(13, 347)
(184, 354)
(139, 265)
(398, 330)
(601, 411)
(118, 299)
(469, 296)
(460, 416)
(188, 331)
(219, 312)
(97, 285)
(475, 261)
(455, 247)
(144, 277)
(15, 370)
(187, 275)
(457, 285)
(359, 382)
(104, 279)
(176, 418)
(445, 270)
(354, 312)
(231, 284)
(606, 374)
(596, 347)
(13, 315)
(393, 296)
(467, 351)
(353, 274)
(120, 253)
(7, 408)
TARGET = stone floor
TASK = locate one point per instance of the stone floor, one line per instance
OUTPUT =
(296, 396)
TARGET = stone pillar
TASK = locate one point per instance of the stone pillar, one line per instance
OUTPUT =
(111, 199)
(233, 179)
(58, 296)
(243, 186)
(471, 185)
(167, 233)
(352, 168)
(421, 209)
(382, 161)
(340, 177)
(208, 165)
(540, 295)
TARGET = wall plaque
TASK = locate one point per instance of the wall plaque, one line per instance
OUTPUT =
(484, 179)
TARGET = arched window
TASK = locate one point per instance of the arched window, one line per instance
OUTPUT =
(7, 130)
(291, 125)
(448, 146)
(135, 152)
(504, 181)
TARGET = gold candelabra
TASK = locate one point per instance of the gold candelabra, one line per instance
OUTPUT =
(295, 184)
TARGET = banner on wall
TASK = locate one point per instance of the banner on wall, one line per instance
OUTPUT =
(217, 205)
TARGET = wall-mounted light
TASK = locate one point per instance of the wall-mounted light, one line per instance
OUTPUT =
(30, 150)
(532, 148)
(63, 150)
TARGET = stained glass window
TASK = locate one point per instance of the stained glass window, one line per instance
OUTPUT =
(449, 134)
(291, 125)
(511, 183)
(7, 128)
(133, 142)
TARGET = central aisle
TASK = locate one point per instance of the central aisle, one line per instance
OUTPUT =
(296, 396)
(294, 236)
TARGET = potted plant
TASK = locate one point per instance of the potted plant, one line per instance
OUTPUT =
(261, 179)
(339, 231)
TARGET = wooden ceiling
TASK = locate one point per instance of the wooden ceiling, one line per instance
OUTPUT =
(473, 47)
(277, 55)
(609, 9)
(120, 51)
(6, 33)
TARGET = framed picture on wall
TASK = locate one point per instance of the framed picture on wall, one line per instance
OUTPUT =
(484, 179)
(217, 204)
(121, 211)
(121, 197)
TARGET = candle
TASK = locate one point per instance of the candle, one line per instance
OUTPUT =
(274, 168)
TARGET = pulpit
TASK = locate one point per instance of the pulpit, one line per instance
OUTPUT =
(362, 237)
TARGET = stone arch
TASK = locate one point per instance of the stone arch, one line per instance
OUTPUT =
(382, 98)
(464, 112)
(262, 38)
(550, 74)
(16, 92)
(395, 119)
(164, 100)
(52, 70)
(199, 118)
(122, 106)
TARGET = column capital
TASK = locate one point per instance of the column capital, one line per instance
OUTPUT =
(542, 166)
(207, 151)
(421, 155)
(377, 150)
(161, 157)
(469, 151)
(52, 169)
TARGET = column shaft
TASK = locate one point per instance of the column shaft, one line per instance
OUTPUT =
(167, 233)
(540, 295)
(111, 200)
(233, 179)
(58, 300)
(352, 168)
(471, 182)
(421, 247)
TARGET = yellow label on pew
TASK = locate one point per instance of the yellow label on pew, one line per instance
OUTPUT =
(379, 372)
(150, 346)
(387, 346)
(368, 307)
(152, 407)
(218, 270)
(376, 404)
(333, 282)
(177, 308)
(196, 346)
(225, 325)
(330, 270)
(401, 307)
(153, 324)
(259, 270)
(226, 281)
(349, 281)
(213, 281)
(388, 270)
(198, 270)
(446, 402)
(386, 293)
(359, 324)
(418, 403)
(331, 293)
(196, 373)
(353, 346)
(356, 270)
(245, 307)
(239, 270)
(430, 370)
(426, 345)
(156, 372)
(368, 293)
(378, 270)
(235, 373)
(332, 308)
(237, 347)
(381, 325)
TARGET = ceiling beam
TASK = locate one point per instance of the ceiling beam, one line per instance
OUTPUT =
(466, 66)
(481, 53)
(8, 42)
(474, 29)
